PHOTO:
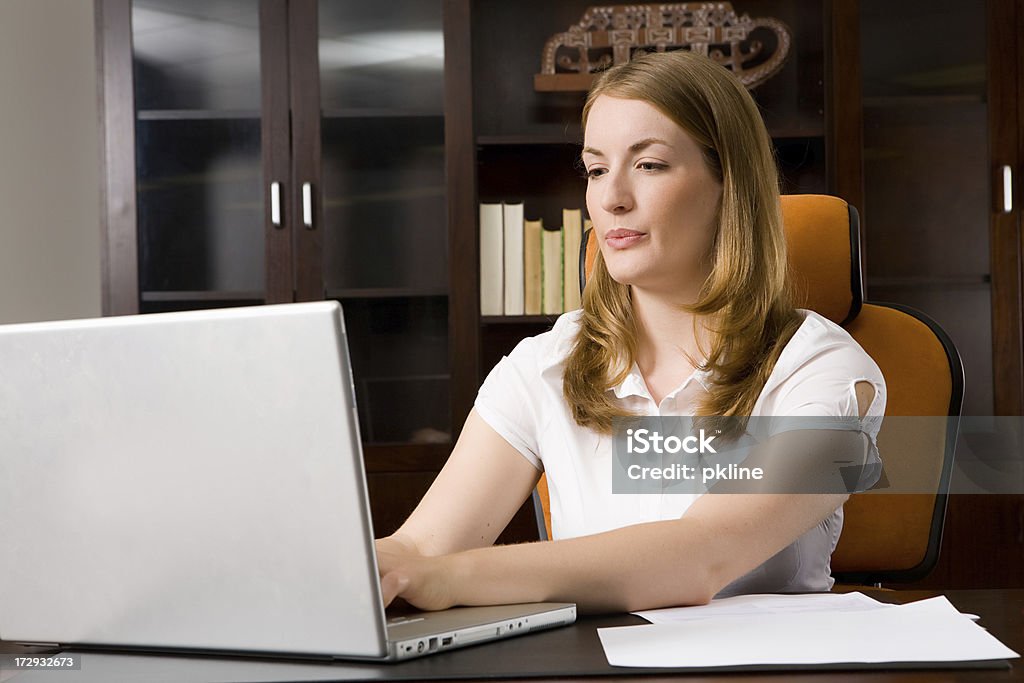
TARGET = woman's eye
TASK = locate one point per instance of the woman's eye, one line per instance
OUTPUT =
(650, 166)
(594, 172)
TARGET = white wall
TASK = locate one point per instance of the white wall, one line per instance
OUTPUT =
(49, 161)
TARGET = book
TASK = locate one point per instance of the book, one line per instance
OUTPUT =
(492, 276)
(532, 266)
(513, 220)
(572, 226)
(551, 266)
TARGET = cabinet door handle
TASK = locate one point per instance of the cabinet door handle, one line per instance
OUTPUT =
(307, 205)
(1020, 523)
(1007, 189)
(275, 204)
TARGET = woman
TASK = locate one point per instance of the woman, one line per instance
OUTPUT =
(686, 313)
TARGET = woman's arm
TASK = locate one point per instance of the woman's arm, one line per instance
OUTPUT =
(476, 494)
(438, 559)
(683, 561)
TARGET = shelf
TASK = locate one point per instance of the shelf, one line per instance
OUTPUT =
(431, 377)
(196, 114)
(525, 140)
(564, 82)
(227, 114)
(922, 281)
(201, 295)
(405, 457)
(385, 292)
(519, 319)
(387, 196)
(802, 132)
(380, 113)
(922, 100)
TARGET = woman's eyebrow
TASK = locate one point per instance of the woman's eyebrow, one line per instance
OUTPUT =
(635, 147)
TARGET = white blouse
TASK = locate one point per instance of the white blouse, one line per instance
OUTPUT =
(522, 400)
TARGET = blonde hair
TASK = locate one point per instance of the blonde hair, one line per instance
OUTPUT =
(745, 301)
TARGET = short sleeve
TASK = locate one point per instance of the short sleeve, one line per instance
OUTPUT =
(815, 388)
(819, 373)
(506, 403)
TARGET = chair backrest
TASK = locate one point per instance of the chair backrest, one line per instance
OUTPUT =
(886, 537)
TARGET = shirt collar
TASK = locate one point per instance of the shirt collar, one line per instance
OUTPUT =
(633, 384)
(565, 329)
(565, 336)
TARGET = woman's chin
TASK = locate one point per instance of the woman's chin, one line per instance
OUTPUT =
(626, 276)
(626, 270)
(631, 271)
(641, 278)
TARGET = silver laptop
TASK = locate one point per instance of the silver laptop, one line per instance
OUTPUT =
(194, 481)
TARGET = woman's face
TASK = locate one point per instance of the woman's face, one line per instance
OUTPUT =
(651, 197)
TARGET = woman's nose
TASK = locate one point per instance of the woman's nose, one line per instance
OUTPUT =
(617, 196)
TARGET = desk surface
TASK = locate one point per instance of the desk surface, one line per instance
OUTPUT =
(561, 653)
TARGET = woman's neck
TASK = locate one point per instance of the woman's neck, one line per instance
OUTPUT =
(667, 344)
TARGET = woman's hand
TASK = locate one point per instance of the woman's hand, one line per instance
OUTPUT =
(424, 582)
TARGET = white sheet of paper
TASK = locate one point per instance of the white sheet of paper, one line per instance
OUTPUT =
(752, 605)
(924, 631)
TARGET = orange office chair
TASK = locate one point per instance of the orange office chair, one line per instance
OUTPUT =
(886, 537)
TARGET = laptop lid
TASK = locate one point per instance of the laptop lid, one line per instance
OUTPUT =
(186, 480)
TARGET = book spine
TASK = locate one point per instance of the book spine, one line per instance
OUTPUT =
(532, 269)
(513, 214)
(491, 261)
(572, 222)
(551, 246)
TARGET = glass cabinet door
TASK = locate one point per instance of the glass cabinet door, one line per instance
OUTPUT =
(385, 251)
(926, 169)
(200, 197)
(936, 108)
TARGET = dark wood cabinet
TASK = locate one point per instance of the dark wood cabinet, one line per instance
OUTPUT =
(396, 157)
(942, 103)
(269, 151)
(401, 117)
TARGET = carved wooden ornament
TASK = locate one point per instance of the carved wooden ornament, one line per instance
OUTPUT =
(610, 35)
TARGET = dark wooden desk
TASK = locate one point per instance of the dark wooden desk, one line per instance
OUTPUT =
(567, 653)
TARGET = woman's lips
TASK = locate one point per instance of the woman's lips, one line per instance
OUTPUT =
(621, 238)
